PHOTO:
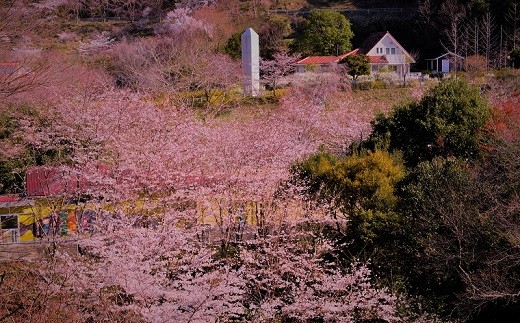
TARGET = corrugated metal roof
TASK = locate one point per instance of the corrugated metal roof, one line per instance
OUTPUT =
(10, 198)
(24, 202)
(353, 52)
(337, 59)
(377, 59)
(318, 60)
(45, 181)
(444, 55)
(325, 59)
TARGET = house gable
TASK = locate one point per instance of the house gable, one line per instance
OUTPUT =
(385, 47)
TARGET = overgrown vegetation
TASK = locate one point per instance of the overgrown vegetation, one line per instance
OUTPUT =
(447, 121)
(324, 33)
(19, 127)
(440, 231)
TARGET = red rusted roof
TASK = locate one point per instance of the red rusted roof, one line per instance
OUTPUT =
(326, 59)
(353, 52)
(48, 180)
(371, 41)
(318, 60)
(377, 59)
(45, 181)
(10, 198)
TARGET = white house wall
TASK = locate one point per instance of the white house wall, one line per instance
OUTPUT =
(395, 56)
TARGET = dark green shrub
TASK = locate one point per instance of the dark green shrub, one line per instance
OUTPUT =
(233, 46)
(447, 235)
(357, 65)
(448, 121)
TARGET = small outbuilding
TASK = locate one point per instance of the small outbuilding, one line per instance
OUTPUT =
(445, 63)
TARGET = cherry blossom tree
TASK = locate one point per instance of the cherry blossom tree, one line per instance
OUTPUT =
(274, 70)
(151, 166)
(23, 67)
(181, 60)
(176, 275)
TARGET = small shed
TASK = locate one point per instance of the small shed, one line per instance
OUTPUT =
(445, 63)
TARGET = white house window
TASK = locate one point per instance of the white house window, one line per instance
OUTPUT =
(393, 51)
(388, 51)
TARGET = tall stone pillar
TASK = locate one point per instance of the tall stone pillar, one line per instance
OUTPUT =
(251, 62)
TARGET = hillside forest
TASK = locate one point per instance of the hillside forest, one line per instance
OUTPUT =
(333, 196)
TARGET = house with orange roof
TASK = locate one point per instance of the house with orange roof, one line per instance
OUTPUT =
(382, 49)
(319, 63)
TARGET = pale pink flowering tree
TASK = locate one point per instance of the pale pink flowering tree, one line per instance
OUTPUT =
(147, 147)
(274, 70)
(289, 279)
(159, 273)
(141, 157)
(181, 20)
(159, 146)
(181, 60)
(169, 273)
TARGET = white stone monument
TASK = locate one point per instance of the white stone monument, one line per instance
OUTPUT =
(251, 62)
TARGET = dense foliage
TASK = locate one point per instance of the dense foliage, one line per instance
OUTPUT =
(445, 230)
(233, 46)
(357, 65)
(25, 143)
(324, 33)
(448, 121)
(357, 183)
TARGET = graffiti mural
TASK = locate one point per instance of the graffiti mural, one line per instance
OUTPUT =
(31, 226)
(63, 223)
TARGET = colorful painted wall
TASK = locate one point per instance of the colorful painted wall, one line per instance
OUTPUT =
(43, 220)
